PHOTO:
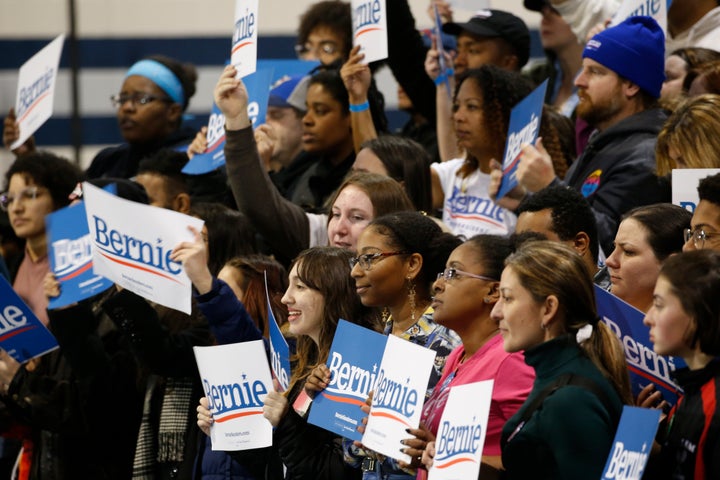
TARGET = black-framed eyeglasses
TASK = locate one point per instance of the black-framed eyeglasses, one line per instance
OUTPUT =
(698, 236)
(27, 193)
(137, 98)
(366, 260)
(450, 274)
(326, 47)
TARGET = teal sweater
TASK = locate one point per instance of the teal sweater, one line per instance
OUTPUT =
(570, 435)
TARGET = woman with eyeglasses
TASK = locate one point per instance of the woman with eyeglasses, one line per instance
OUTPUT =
(645, 238)
(325, 32)
(465, 294)
(35, 185)
(154, 95)
(399, 255)
(684, 321)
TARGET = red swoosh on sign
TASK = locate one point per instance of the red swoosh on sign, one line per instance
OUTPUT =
(338, 399)
(371, 29)
(236, 415)
(138, 267)
(238, 47)
(391, 417)
(35, 104)
(16, 332)
(77, 272)
(453, 462)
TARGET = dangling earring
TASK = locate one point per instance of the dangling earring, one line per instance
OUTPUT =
(385, 315)
(411, 298)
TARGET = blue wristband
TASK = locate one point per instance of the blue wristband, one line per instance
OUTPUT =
(360, 107)
(439, 80)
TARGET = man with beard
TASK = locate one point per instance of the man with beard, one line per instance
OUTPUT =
(618, 88)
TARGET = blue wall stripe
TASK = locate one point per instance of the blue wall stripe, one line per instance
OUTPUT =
(121, 52)
(104, 131)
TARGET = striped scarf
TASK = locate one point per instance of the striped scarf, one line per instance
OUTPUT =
(166, 443)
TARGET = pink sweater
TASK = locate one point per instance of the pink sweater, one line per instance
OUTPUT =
(28, 285)
(513, 382)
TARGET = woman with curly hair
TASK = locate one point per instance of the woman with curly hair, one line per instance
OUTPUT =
(484, 98)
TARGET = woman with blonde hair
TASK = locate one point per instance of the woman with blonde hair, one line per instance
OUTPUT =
(689, 138)
(547, 308)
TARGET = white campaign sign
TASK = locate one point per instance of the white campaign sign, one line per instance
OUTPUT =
(685, 183)
(370, 28)
(470, 4)
(236, 379)
(398, 397)
(461, 434)
(131, 245)
(656, 9)
(245, 35)
(36, 89)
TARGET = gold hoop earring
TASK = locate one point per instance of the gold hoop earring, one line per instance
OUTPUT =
(411, 298)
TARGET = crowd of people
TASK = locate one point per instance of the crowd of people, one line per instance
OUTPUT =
(401, 233)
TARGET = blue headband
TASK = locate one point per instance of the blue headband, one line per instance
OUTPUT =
(162, 76)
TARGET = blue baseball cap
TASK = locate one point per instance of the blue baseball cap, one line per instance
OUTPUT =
(289, 92)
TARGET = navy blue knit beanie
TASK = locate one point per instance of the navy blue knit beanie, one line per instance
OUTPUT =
(634, 49)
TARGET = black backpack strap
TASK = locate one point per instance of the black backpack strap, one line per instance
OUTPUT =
(559, 382)
(563, 381)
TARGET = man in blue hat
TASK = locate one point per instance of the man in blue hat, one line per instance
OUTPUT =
(279, 139)
(618, 87)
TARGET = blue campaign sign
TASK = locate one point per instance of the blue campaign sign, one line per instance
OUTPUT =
(444, 73)
(644, 365)
(633, 442)
(354, 360)
(279, 349)
(70, 255)
(22, 335)
(523, 128)
(258, 87)
(214, 155)
(287, 67)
